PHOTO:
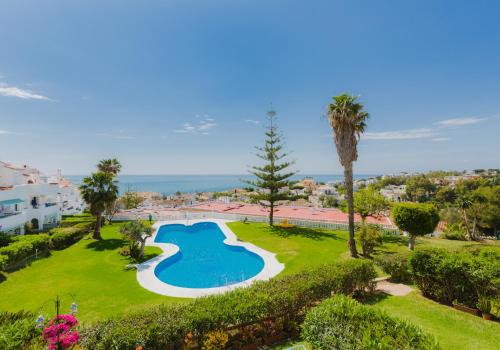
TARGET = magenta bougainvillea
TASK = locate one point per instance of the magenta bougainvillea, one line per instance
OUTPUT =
(60, 333)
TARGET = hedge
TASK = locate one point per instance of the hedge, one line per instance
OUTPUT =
(24, 246)
(457, 276)
(277, 305)
(64, 237)
(342, 323)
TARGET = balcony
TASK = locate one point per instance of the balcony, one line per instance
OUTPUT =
(12, 221)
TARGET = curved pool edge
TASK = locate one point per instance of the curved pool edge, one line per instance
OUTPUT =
(146, 270)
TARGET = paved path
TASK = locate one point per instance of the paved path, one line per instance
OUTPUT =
(397, 289)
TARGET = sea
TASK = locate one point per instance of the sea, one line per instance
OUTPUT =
(170, 184)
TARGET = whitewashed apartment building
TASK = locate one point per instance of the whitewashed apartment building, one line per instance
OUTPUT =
(28, 198)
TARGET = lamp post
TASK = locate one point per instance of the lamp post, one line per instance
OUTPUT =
(40, 321)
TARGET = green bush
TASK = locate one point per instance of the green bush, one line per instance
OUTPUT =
(456, 276)
(396, 265)
(24, 246)
(4, 260)
(415, 218)
(64, 237)
(342, 323)
(5, 239)
(16, 330)
(286, 297)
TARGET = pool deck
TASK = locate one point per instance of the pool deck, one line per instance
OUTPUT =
(146, 271)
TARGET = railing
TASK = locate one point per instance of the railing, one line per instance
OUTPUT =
(187, 215)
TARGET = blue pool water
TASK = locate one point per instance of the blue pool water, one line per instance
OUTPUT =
(203, 260)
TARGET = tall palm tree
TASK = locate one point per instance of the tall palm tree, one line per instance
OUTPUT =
(97, 191)
(111, 166)
(347, 120)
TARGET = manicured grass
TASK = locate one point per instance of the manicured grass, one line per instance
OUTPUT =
(93, 270)
(453, 329)
(298, 248)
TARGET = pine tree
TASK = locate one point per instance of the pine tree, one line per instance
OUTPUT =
(270, 178)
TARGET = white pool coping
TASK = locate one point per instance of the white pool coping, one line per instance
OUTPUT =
(146, 270)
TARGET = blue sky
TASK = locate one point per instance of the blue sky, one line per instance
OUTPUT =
(176, 87)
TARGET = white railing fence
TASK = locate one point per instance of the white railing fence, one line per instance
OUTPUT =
(189, 215)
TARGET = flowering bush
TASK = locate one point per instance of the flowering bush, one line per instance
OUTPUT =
(60, 332)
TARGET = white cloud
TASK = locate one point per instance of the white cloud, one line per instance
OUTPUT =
(461, 121)
(201, 127)
(12, 91)
(5, 132)
(409, 134)
(440, 139)
(252, 121)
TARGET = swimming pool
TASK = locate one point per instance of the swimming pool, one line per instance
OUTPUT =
(203, 259)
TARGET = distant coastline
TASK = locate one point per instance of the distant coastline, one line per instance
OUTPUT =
(170, 184)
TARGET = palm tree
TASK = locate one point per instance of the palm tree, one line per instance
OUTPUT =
(111, 166)
(97, 191)
(347, 120)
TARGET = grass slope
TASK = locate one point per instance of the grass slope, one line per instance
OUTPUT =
(453, 329)
(93, 270)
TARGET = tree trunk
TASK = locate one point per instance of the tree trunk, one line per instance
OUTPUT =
(411, 242)
(271, 214)
(143, 244)
(97, 226)
(350, 208)
(466, 222)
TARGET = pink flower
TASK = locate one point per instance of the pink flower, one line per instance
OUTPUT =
(59, 332)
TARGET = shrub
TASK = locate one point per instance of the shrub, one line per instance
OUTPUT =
(286, 297)
(24, 246)
(342, 323)
(4, 260)
(5, 239)
(396, 265)
(215, 340)
(64, 237)
(454, 232)
(369, 236)
(415, 218)
(456, 276)
(16, 329)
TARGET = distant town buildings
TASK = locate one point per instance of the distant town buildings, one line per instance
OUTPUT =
(30, 200)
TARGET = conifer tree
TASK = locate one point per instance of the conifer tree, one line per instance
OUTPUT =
(271, 178)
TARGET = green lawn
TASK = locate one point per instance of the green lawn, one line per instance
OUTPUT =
(92, 270)
(297, 248)
(95, 272)
(453, 329)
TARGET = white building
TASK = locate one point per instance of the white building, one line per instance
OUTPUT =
(26, 197)
(394, 193)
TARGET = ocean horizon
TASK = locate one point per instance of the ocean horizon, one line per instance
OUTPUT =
(170, 184)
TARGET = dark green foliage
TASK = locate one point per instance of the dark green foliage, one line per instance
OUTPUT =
(342, 323)
(24, 246)
(271, 179)
(420, 188)
(64, 237)
(17, 329)
(396, 265)
(5, 239)
(286, 297)
(416, 219)
(456, 276)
